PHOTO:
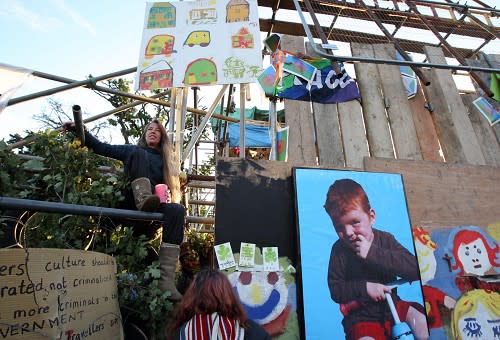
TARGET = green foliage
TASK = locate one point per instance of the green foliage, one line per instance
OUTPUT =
(201, 243)
(10, 176)
(141, 294)
(138, 288)
(63, 171)
(131, 121)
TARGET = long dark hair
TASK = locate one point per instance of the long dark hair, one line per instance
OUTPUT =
(209, 292)
(170, 166)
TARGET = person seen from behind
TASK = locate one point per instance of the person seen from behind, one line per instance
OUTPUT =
(210, 310)
(363, 261)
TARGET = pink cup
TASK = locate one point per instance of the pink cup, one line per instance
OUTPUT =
(161, 190)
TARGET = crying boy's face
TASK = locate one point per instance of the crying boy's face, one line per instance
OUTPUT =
(355, 224)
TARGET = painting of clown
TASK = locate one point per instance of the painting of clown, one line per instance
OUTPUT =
(268, 297)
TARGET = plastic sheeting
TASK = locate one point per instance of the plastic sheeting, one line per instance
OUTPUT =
(255, 136)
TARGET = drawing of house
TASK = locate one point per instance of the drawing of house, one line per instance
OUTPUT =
(161, 15)
(201, 72)
(237, 10)
(242, 39)
(156, 76)
(160, 44)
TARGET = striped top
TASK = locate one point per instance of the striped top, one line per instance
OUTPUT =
(211, 327)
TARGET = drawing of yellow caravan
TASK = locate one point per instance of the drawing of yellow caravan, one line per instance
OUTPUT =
(160, 44)
(201, 38)
(203, 16)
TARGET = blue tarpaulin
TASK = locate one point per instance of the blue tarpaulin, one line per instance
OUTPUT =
(255, 136)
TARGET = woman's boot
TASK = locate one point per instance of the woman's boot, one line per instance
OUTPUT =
(169, 254)
(143, 196)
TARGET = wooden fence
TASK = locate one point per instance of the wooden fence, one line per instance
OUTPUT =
(449, 156)
(386, 123)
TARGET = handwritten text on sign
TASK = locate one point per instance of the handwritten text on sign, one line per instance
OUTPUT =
(58, 294)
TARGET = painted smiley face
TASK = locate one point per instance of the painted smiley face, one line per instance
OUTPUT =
(474, 257)
(263, 294)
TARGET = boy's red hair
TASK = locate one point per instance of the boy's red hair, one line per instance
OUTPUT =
(345, 195)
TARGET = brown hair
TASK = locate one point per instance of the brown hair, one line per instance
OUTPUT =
(209, 292)
(345, 195)
(170, 162)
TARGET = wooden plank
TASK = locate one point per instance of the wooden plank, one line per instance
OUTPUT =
(491, 60)
(327, 127)
(328, 136)
(424, 127)
(438, 195)
(485, 135)
(403, 131)
(377, 126)
(298, 116)
(443, 121)
(458, 139)
(353, 133)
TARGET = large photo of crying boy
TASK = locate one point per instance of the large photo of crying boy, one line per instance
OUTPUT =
(359, 273)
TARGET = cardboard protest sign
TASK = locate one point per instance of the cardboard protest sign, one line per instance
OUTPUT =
(193, 43)
(58, 294)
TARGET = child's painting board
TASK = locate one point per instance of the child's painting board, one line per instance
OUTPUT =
(193, 43)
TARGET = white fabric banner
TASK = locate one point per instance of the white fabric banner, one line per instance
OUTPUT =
(11, 79)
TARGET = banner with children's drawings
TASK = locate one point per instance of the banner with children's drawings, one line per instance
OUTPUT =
(460, 268)
(357, 255)
(192, 43)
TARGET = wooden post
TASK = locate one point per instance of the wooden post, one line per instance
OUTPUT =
(242, 121)
(171, 121)
(272, 128)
